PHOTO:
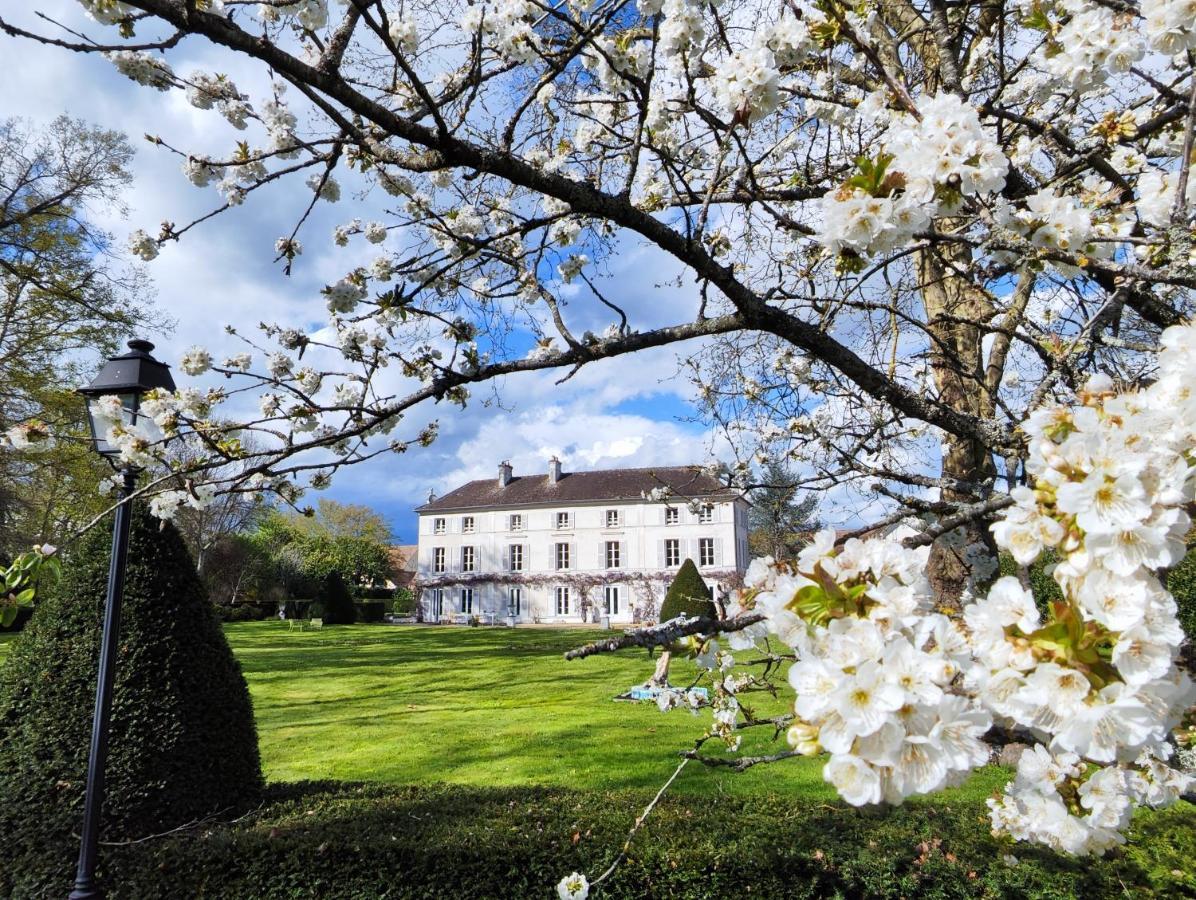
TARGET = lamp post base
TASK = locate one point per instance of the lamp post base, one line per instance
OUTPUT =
(86, 893)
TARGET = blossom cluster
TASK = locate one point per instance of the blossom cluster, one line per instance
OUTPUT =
(896, 194)
(874, 667)
(901, 696)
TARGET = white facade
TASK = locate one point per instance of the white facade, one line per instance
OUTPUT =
(620, 554)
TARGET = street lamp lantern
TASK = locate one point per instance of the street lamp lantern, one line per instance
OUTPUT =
(128, 376)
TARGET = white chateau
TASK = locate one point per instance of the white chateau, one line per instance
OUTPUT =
(575, 546)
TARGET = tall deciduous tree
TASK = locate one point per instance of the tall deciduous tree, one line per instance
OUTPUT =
(907, 225)
(65, 299)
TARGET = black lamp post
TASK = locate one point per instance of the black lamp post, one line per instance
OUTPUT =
(128, 377)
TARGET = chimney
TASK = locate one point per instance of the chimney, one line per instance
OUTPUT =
(504, 473)
(554, 470)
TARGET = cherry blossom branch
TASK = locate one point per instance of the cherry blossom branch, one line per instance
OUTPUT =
(665, 633)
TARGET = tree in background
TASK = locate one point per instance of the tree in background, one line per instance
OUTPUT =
(345, 520)
(224, 519)
(64, 297)
(777, 519)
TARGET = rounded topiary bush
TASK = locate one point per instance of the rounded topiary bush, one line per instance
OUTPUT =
(687, 594)
(182, 742)
(335, 601)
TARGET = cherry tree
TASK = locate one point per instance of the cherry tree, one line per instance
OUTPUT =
(912, 233)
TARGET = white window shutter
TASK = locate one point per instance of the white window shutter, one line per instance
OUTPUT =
(718, 551)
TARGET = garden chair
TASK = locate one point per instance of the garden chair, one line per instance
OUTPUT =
(297, 624)
(317, 624)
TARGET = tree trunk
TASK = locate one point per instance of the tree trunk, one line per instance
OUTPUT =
(660, 678)
(957, 312)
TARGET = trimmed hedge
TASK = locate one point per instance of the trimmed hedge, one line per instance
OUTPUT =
(335, 601)
(687, 594)
(376, 593)
(368, 841)
(182, 743)
(246, 612)
(371, 611)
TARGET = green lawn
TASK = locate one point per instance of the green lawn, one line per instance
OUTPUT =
(488, 707)
(478, 706)
(496, 767)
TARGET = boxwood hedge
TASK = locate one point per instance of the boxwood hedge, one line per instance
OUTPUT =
(371, 841)
(182, 742)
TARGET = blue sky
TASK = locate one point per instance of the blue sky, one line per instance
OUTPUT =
(614, 413)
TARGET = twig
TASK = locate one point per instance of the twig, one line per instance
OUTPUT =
(666, 633)
(741, 763)
(639, 823)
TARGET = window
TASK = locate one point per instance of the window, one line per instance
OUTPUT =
(610, 600)
(438, 602)
(514, 601)
(612, 518)
(438, 526)
(672, 552)
(467, 525)
(614, 557)
(437, 559)
(706, 514)
(467, 601)
(706, 551)
(562, 520)
(562, 556)
(671, 515)
(467, 559)
(515, 522)
(562, 601)
(515, 557)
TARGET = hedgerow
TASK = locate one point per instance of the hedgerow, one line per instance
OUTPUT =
(333, 840)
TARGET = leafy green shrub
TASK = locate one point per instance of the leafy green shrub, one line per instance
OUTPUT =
(182, 743)
(404, 602)
(355, 841)
(335, 601)
(687, 594)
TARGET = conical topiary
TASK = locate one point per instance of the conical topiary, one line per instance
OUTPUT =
(182, 743)
(687, 594)
(335, 601)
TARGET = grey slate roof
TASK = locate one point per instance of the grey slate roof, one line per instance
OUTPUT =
(687, 482)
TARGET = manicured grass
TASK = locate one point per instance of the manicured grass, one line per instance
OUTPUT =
(484, 707)
(457, 762)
